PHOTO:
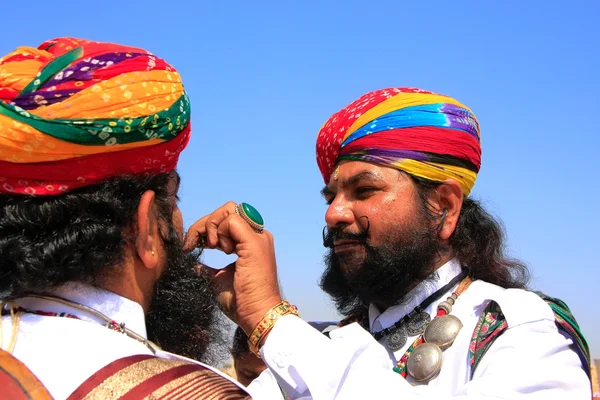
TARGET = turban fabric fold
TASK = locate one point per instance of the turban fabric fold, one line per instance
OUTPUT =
(75, 112)
(421, 133)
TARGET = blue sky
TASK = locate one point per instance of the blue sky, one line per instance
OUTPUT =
(264, 76)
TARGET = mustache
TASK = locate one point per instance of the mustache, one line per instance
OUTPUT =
(330, 236)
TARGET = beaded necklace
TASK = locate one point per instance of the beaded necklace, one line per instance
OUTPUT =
(434, 335)
(109, 323)
(423, 359)
(415, 322)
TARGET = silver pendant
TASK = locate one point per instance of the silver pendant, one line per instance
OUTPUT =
(443, 330)
(396, 339)
(425, 362)
(418, 323)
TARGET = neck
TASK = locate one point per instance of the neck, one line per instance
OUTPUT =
(130, 285)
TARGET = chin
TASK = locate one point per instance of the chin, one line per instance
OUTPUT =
(351, 262)
(350, 267)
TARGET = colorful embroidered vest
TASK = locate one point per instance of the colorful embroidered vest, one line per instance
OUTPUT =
(492, 324)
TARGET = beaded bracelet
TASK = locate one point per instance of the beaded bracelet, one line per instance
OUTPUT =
(267, 323)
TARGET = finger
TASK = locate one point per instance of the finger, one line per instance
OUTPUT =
(215, 219)
(195, 233)
(206, 227)
(226, 244)
(236, 230)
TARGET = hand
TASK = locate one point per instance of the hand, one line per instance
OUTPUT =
(248, 288)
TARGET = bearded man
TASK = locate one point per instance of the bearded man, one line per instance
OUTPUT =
(434, 307)
(93, 278)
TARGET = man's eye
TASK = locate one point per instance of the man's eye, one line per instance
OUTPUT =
(365, 190)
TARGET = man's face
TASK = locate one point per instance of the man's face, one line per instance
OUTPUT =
(381, 242)
(248, 367)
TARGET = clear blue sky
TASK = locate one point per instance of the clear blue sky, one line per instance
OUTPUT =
(264, 76)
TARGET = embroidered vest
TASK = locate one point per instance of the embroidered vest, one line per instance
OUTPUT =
(492, 324)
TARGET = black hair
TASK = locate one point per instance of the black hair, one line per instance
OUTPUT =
(78, 236)
(240, 343)
(478, 242)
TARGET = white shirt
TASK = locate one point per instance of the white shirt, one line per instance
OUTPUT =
(530, 360)
(64, 352)
(265, 387)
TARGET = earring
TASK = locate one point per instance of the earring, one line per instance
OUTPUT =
(152, 252)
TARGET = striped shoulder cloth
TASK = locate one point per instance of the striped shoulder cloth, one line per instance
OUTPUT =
(149, 377)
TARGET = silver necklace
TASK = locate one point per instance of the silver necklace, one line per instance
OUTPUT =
(119, 327)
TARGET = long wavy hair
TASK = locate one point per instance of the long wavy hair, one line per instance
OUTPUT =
(478, 242)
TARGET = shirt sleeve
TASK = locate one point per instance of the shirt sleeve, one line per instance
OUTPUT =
(265, 387)
(531, 361)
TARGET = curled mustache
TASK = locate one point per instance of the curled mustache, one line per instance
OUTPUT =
(334, 234)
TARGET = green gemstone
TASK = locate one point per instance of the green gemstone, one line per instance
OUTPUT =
(253, 214)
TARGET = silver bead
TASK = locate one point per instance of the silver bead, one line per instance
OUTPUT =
(442, 331)
(444, 305)
(425, 362)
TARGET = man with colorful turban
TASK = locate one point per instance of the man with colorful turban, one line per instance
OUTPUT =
(434, 308)
(94, 283)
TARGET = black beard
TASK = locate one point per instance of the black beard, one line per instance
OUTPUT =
(183, 317)
(385, 275)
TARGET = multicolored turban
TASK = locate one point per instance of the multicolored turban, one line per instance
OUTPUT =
(75, 112)
(421, 133)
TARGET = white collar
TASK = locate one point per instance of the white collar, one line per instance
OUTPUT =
(443, 275)
(115, 307)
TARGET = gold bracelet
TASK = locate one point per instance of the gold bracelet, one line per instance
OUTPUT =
(267, 323)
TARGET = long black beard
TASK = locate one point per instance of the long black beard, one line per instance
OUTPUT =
(183, 317)
(385, 275)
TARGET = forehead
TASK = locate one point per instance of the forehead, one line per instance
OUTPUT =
(351, 172)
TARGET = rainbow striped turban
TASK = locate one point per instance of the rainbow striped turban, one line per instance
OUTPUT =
(75, 112)
(421, 133)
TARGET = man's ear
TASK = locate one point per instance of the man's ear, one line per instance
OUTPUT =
(447, 199)
(148, 231)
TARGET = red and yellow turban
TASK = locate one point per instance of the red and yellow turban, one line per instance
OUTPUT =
(75, 112)
(421, 133)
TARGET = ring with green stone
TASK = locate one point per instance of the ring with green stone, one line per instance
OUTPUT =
(251, 216)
